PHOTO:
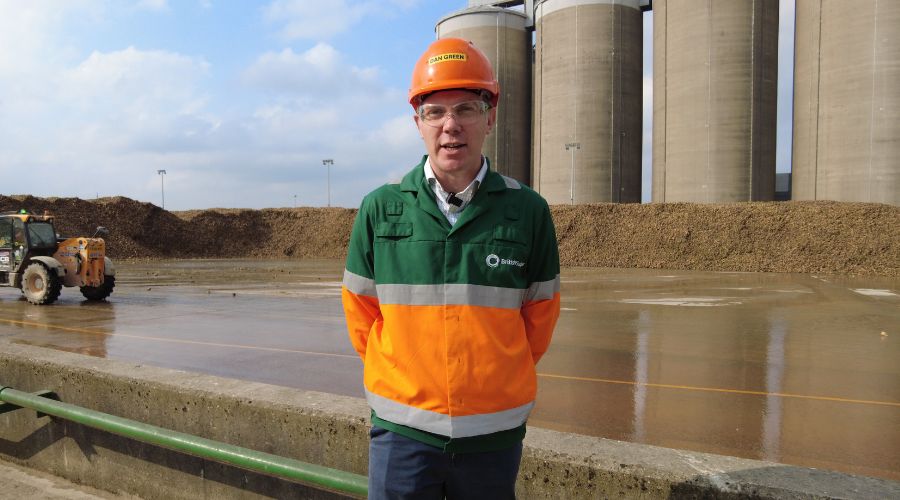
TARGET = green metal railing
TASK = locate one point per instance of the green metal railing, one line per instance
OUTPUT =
(44, 403)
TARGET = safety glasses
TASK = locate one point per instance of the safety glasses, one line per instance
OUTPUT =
(465, 113)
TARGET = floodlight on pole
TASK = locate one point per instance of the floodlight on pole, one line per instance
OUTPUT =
(162, 186)
(572, 146)
(295, 201)
(328, 163)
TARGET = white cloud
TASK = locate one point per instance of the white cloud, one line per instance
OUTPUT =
(104, 120)
(319, 72)
(292, 125)
(398, 143)
(396, 134)
(132, 75)
(135, 99)
(28, 33)
(313, 19)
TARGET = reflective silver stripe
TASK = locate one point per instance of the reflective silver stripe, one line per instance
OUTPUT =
(456, 294)
(542, 290)
(359, 285)
(445, 425)
(477, 425)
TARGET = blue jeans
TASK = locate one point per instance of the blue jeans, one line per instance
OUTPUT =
(400, 467)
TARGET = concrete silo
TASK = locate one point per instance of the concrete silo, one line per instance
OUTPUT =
(587, 100)
(502, 36)
(715, 69)
(847, 101)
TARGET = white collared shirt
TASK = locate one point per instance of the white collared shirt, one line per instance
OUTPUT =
(452, 211)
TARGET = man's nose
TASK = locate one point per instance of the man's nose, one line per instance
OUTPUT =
(451, 124)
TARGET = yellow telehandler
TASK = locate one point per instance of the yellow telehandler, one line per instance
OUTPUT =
(36, 260)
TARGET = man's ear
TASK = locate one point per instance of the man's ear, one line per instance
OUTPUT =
(492, 119)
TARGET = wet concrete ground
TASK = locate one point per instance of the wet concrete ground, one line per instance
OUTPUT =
(791, 368)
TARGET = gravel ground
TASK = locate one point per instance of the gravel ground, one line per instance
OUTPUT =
(801, 237)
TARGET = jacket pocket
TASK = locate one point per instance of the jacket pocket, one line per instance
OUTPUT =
(393, 230)
(509, 235)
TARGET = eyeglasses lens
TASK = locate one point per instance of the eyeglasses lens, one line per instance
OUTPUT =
(465, 113)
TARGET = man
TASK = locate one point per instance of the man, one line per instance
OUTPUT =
(451, 293)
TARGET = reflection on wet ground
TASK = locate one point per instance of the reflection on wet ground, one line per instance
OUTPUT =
(790, 368)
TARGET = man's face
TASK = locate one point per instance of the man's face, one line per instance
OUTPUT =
(455, 148)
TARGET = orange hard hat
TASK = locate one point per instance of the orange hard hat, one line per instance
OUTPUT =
(453, 63)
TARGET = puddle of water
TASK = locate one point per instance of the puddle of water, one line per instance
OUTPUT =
(794, 370)
(874, 293)
(685, 301)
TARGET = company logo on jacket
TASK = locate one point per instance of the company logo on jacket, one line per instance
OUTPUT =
(493, 261)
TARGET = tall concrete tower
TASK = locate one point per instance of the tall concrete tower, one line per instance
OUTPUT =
(714, 100)
(501, 34)
(587, 100)
(847, 101)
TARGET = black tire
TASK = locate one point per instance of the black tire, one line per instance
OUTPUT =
(99, 292)
(40, 285)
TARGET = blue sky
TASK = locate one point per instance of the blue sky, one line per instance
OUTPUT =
(238, 101)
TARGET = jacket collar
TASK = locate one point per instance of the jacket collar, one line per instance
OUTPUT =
(414, 182)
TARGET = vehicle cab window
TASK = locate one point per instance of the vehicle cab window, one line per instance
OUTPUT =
(5, 233)
(18, 233)
(41, 235)
(18, 241)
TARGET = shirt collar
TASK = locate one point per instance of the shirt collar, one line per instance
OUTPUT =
(429, 174)
(464, 196)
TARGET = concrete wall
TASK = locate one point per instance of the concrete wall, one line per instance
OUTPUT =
(847, 101)
(587, 90)
(332, 430)
(715, 69)
(311, 427)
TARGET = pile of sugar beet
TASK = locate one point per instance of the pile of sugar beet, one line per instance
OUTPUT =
(801, 237)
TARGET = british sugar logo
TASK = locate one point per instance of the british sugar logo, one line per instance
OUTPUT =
(493, 261)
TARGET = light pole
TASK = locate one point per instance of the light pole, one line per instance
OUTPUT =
(162, 186)
(572, 146)
(328, 163)
(295, 201)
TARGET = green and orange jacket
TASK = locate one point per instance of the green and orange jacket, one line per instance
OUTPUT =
(451, 321)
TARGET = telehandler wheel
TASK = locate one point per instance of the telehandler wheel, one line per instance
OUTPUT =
(99, 292)
(40, 285)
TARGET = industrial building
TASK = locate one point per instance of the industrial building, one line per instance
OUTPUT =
(587, 74)
(847, 101)
(569, 124)
(502, 35)
(715, 77)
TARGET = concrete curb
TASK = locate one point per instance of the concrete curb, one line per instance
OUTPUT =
(589, 467)
(331, 430)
